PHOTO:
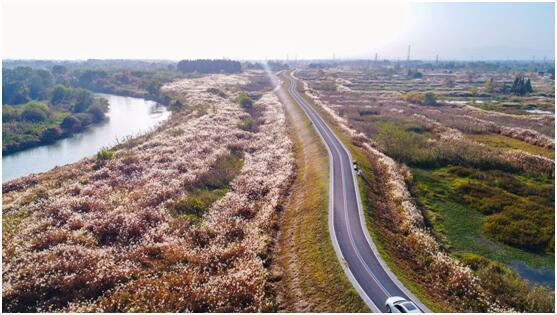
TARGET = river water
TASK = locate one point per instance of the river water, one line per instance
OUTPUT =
(128, 116)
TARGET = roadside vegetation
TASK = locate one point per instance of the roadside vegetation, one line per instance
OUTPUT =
(457, 195)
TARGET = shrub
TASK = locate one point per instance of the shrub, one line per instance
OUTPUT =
(104, 154)
(51, 134)
(35, 112)
(216, 91)
(198, 201)
(247, 124)
(245, 101)
(71, 123)
(222, 172)
(430, 99)
(9, 114)
(96, 113)
(427, 98)
(176, 106)
(85, 119)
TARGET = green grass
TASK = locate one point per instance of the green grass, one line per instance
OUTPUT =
(506, 143)
(462, 226)
(210, 187)
(11, 223)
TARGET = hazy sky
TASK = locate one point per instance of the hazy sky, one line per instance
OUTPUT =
(273, 30)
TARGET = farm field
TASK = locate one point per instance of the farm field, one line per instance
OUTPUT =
(480, 178)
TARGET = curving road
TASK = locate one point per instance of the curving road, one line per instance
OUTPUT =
(358, 255)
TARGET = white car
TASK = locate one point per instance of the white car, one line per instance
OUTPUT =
(397, 304)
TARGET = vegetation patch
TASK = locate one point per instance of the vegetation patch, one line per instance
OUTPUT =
(211, 187)
(465, 205)
(39, 107)
(506, 143)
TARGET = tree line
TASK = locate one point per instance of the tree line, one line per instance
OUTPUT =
(40, 106)
(209, 66)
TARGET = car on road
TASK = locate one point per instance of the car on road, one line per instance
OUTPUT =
(397, 304)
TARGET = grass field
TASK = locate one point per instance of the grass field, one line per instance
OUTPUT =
(461, 225)
(506, 143)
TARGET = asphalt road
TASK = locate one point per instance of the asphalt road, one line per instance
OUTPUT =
(358, 255)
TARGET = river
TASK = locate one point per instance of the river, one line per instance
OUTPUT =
(128, 116)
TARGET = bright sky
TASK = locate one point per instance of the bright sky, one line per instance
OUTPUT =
(272, 30)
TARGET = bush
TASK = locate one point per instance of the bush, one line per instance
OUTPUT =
(71, 123)
(85, 119)
(507, 285)
(176, 106)
(222, 172)
(9, 114)
(247, 124)
(216, 91)
(245, 101)
(51, 134)
(35, 112)
(97, 114)
(198, 201)
(104, 154)
(427, 98)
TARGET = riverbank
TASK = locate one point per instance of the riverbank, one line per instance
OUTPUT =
(127, 116)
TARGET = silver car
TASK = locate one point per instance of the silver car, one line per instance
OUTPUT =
(397, 304)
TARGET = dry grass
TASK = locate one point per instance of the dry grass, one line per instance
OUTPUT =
(102, 234)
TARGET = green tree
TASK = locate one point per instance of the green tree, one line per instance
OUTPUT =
(521, 86)
(35, 111)
(9, 114)
(430, 99)
(96, 113)
(84, 99)
(60, 94)
(85, 119)
(71, 123)
(58, 70)
(33, 114)
(489, 86)
(52, 134)
(529, 88)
